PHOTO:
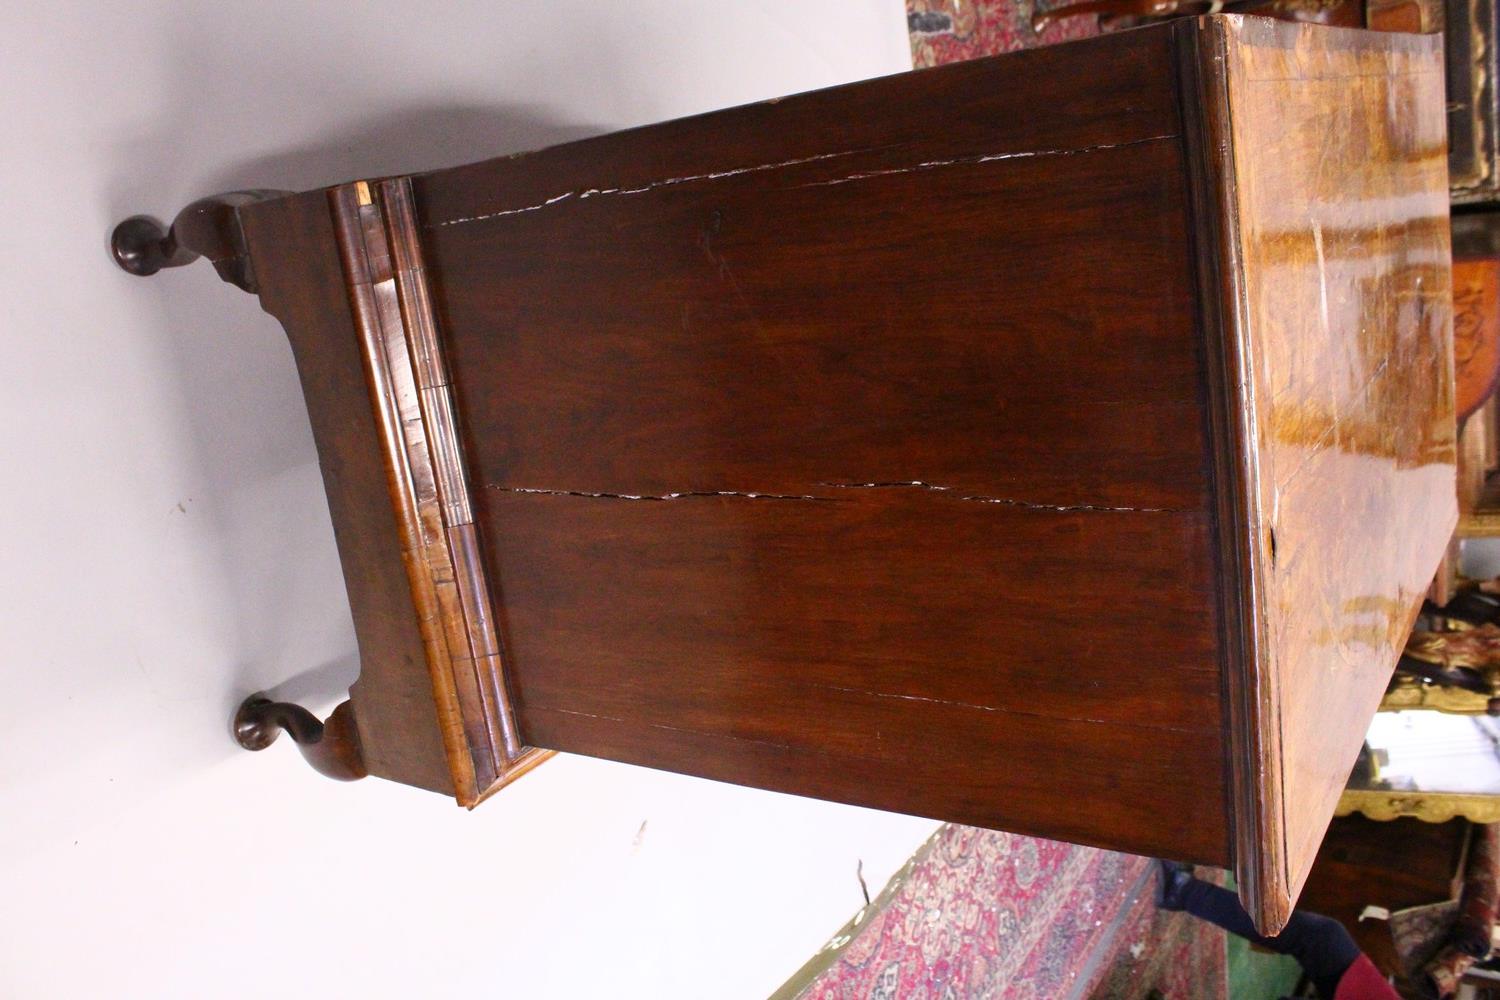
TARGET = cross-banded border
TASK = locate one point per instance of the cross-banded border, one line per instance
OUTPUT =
(414, 409)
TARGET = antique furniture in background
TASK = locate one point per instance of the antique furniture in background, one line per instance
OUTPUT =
(1476, 349)
(1456, 670)
(1120, 15)
(1470, 57)
(1476, 331)
(1419, 898)
(782, 445)
(1473, 114)
(1437, 806)
(1393, 866)
(1427, 765)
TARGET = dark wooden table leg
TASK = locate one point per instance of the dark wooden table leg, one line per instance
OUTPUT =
(208, 227)
(331, 747)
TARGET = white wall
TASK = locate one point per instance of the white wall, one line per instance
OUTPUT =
(166, 546)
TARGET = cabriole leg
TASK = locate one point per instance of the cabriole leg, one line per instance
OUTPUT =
(331, 747)
(209, 227)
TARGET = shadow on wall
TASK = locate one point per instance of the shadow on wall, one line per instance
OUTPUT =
(410, 142)
(248, 440)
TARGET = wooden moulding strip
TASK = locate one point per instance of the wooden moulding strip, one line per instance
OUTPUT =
(413, 402)
(1250, 699)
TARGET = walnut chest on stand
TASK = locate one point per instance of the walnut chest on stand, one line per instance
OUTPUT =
(1060, 442)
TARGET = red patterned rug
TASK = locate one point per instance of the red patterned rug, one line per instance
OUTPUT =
(977, 913)
(944, 31)
(1171, 953)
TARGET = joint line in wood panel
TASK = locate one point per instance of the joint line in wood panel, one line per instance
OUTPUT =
(755, 495)
(652, 185)
(960, 161)
(1007, 501)
(684, 494)
(582, 195)
(971, 706)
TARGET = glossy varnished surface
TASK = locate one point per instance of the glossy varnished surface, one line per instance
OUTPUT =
(303, 285)
(411, 397)
(1338, 224)
(1059, 442)
(890, 651)
(799, 433)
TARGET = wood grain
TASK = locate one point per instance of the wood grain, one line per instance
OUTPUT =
(797, 452)
(1059, 442)
(429, 489)
(1394, 865)
(302, 284)
(1339, 319)
(1476, 332)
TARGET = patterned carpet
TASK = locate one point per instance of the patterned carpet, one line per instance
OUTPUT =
(980, 914)
(944, 31)
(1171, 953)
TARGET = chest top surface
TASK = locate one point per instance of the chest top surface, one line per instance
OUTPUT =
(1326, 151)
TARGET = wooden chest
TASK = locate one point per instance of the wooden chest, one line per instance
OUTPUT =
(1060, 442)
